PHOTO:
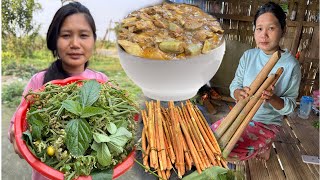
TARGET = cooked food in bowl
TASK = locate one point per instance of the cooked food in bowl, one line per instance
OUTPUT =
(169, 31)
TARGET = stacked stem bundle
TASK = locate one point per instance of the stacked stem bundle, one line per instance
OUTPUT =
(232, 127)
(178, 137)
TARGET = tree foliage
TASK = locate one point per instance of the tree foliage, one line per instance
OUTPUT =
(18, 27)
(17, 16)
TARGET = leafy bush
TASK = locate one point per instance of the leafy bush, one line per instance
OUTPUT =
(23, 71)
(12, 93)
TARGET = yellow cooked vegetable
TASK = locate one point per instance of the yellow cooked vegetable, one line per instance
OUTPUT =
(171, 47)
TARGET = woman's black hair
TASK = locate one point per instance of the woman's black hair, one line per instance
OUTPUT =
(55, 71)
(275, 9)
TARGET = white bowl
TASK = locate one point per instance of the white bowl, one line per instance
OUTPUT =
(175, 80)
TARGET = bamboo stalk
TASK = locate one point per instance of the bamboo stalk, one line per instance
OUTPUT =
(225, 123)
(234, 126)
(153, 151)
(168, 138)
(201, 160)
(186, 150)
(194, 119)
(168, 174)
(145, 149)
(162, 153)
(192, 148)
(208, 131)
(176, 127)
(181, 164)
(247, 119)
(186, 155)
(224, 164)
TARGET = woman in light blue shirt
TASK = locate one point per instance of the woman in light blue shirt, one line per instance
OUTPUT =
(269, 24)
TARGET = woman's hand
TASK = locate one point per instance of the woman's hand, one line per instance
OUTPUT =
(13, 141)
(271, 98)
(268, 95)
(241, 93)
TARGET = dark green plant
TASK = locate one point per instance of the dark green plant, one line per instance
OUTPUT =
(18, 29)
(316, 124)
(22, 71)
(12, 94)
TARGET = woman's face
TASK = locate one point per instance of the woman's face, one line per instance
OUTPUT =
(75, 43)
(268, 33)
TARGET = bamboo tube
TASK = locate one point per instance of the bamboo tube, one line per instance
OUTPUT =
(224, 164)
(203, 135)
(181, 163)
(171, 134)
(225, 123)
(171, 125)
(209, 132)
(168, 174)
(187, 155)
(162, 153)
(247, 119)
(198, 136)
(234, 126)
(163, 173)
(201, 161)
(176, 127)
(153, 152)
(185, 148)
(156, 127)
(160, 174)
(168, 138)
(144, 149)
(194, 119)
(190, 144)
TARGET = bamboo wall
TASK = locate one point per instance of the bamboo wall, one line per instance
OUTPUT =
(301, 38)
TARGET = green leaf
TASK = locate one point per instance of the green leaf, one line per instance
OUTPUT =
(95, 146)
(121, 137)
(89, 93)
(72, 106)
(78, 136)
(99, 138)
(91, 111)
(114, 148)
(112, 128)
(103, 154)
(37, 125)
(102, 175)
(26, 136)
(213, 173)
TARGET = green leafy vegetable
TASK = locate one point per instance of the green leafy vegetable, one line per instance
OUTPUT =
(72, 106)
(37, 125)
(78, 137)
(103, 155)
(89, 93)
(91, 127)
(99, 138)
(91, 111)
(112, 128)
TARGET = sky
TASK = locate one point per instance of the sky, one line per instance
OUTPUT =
(102, 11)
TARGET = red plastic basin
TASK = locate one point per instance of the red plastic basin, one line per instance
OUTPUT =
(20, 125)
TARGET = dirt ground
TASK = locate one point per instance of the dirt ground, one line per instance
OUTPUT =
(13, 167)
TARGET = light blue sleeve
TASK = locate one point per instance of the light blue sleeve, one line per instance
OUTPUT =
(237, 82)
(292, 92)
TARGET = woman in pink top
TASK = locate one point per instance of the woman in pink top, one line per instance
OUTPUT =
(71, 38)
